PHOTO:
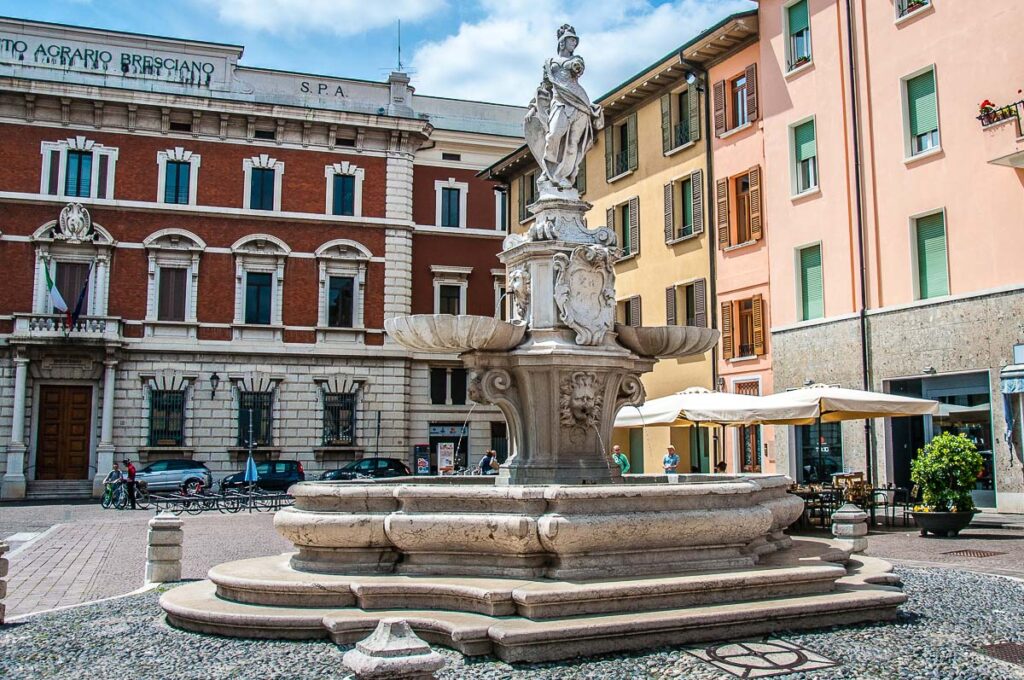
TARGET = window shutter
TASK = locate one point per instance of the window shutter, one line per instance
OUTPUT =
(756, 228)
(522, 197)
(693, 94)
(810, 283)
(933, 277)
(670, 306)
(634, 310)
(803, 139)
(719, 108)
(609, 152)
(634, 225)
(728, 346)
(101, 180)
(670, 226)
(798, 19)
(722, 212)
(52, 181)
(581, 177)
(758, 314)
(631, 151)
(697, 190)
(700, 305)
(666, 123)
(924, 115)
(751, 76)
(609, 217)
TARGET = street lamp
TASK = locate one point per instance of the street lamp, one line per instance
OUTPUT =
(214, 381)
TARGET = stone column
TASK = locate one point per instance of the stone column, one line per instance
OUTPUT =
(849, 527)
(393, 651)
(13, 485)
(105, 449)
(163, 554)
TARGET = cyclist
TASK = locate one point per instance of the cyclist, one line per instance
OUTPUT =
(113, 478)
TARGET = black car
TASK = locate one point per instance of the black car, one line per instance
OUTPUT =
(273, 476)
(369, 467)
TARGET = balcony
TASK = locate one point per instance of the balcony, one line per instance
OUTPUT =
(907, 7)
(1004, 143)
(56, 327)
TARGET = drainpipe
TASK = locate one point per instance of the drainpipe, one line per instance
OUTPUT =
(703, 80)
(861, 255)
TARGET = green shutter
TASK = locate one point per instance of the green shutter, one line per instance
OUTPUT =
(924, 113)
(812, 302)
(798, 17)
(688, 206)
(666, 123)
(933, 277)
(803, 139)
(631, 150)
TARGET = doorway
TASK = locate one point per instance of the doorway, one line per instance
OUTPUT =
(63, 436)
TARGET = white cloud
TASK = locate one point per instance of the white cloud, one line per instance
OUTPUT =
(338, 17)
(499, 57)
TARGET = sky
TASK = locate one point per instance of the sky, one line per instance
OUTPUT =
(489, 50)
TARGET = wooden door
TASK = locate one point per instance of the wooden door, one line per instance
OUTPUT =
(65, 421)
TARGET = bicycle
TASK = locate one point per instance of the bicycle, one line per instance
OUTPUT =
(109, 489)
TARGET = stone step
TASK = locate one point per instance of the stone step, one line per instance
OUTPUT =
(272, 581)
(58, 489)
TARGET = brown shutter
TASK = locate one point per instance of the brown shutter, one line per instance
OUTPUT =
(171, 298)
(609, 217)
(101, 184)
(722, 212)
(670, 306)
(666, 123)
(754, 199)
(719, 108)
(758, 314)
(693, 95)
(634, 310)
(52, 185)
(752, 92)
(728, 348)
(700, 305)
(670, 221)
(631, 142)
(697, 186)
(609, 152)
(634, 225)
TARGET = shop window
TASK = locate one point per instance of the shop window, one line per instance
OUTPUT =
(819, 452)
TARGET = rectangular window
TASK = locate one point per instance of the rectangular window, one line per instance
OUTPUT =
(690, 301)
(458, 386)
(261, 189)
(932, 272)
(254, 415)
(449, 207)
(922, 113)
(743, 209)
(799, 34)
(167, 418)
(806, 154)
(445, 156)
(339, 419)
(745, 328)
(819, 452)
(78, 174)
(257, 297)
(176, 182)
(73, 281)
(905, 7)
(739, 101)
(624, 230)
(264, 134)
(621, 157)
(686, 192)
(681, 130)
(341, 302)
(502, 211)
(344, 195)
(449, 299)
(438, 385)
(812, 305)
(171, 294)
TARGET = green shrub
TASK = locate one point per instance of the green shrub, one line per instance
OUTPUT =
(947, 469)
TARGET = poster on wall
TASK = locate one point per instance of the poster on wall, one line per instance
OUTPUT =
(421, 457)
(445, 456)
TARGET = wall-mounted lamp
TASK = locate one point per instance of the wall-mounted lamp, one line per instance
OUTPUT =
(929, 370)
(214, 381)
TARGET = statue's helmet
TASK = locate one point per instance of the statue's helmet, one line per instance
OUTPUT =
(565, 32)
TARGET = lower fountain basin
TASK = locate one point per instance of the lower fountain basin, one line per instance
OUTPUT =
(564, 532)
(666, 342)
(447, 333)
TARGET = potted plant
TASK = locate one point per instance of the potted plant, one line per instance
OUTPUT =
(946, 469)
(914, 5)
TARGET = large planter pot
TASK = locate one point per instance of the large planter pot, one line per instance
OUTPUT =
(943, 523)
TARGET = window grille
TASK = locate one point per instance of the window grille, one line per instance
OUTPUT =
(258, 407)
(167, 418)
(339, 419)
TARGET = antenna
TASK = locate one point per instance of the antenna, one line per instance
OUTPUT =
(399, 44)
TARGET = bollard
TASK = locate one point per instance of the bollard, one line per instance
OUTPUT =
(393, 651)
(849, 526)
(3, 578)
(163, 554)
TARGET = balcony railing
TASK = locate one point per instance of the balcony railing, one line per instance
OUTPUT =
(57, 326)
(620, 164)
(993, 115)
(680, 134)
(905, 7)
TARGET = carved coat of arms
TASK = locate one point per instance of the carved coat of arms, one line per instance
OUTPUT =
(585, 292)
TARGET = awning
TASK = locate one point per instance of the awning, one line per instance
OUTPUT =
(1011, 379)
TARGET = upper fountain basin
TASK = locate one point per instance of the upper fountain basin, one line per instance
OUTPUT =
(446, 333)
(666, 342)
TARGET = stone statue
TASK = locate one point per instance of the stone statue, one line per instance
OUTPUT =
(561, 122)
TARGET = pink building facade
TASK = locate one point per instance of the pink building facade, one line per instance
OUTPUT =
(893, 224)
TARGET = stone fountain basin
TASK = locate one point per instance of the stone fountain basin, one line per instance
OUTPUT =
(447, 333)
(564, 532)
(666, 342)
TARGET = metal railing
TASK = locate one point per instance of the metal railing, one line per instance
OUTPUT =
(905, 7)
(620, 163)
(680, 133)
(993, 115)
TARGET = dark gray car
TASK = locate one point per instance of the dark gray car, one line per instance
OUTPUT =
(172, 475)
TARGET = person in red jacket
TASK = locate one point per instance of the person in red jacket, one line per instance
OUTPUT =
(130, 481)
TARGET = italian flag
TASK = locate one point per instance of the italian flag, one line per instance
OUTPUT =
(55, 296)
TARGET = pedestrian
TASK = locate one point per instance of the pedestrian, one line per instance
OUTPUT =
(114, 476)
(671, 461)
(495, 463)
(130, 479)
(621, 459)
(720, 466)
(484, 466)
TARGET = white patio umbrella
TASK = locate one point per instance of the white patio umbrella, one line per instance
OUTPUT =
(693, 406)
(828, 404)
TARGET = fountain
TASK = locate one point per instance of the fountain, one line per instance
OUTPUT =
(559, 555)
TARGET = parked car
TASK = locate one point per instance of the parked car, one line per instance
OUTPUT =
(173, 475)
(369, 467)
(272, 476)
